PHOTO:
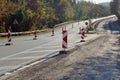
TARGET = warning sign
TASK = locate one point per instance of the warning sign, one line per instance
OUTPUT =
(15, 22)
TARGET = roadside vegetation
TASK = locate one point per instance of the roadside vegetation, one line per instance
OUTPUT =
(115, 8)
(28, 15)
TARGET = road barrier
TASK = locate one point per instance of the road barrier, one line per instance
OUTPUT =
(52, 32)
(95, 23)
(82, 35)
(35, 35)
(21, 33)
(64, 23)
(64, 42)
(31, 32)
(9, 37)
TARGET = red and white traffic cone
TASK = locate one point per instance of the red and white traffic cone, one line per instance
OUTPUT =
(82, 35)
(9, 37)
(64, 42)
(52, 32)
(35, 35)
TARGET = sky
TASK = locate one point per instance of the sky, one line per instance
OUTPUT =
(99, 1)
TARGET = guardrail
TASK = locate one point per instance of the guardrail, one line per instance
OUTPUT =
(103, 18)
(21, 33)
(95, 21)
(63, 23)
(31, 32)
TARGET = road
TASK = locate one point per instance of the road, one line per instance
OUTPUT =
(25, 50)
(98, 59)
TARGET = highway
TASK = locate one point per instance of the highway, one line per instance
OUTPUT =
(26, 50)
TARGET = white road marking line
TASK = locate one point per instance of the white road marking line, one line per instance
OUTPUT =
(27, 52)
(30, 65)
(21, 58)
(52, 45)
(19, 53)
(24, 52)
(36, 51)
(8, 67)
(49, 47)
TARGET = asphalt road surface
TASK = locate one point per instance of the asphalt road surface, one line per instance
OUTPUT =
(98, 59)
(25, 50)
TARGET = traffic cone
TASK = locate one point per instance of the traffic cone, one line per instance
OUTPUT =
(82, 35)
(35, 35)
(9, 37)
(52, 32)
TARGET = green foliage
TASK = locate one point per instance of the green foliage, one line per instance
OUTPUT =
(86, 10)
(2, 28)
(115, 8)
(39, 14)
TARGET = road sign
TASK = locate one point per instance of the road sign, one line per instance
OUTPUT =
(86, 23)
(15, 22)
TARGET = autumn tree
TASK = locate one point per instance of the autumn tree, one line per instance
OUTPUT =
(7, 8)
(39, 14)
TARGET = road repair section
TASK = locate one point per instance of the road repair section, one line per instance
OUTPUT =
(95, 60)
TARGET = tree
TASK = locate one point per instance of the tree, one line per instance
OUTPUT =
(7, 8)
(86, 10)
(115, 8)
(39, 14)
